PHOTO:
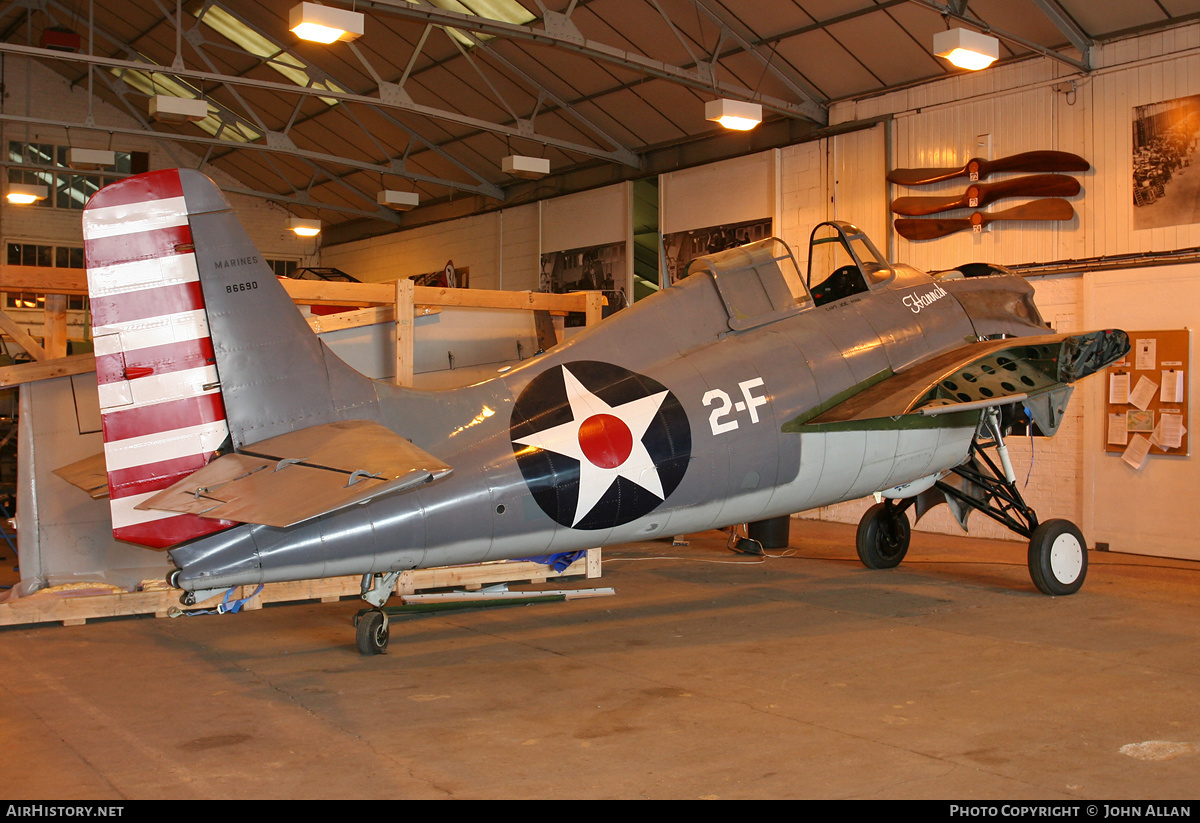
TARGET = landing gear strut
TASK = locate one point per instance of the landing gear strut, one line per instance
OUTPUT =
(1057, 551)
(372, 624)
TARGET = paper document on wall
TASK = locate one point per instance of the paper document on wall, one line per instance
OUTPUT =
(1135, 453)
(1172, 386)
(1143, 393)
(1118, 389)
(1117, 434)
(1168, 434)
(1146, 354)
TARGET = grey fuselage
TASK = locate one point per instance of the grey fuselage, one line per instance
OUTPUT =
(737, 389)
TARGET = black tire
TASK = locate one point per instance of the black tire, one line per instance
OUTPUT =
(372, 633)
(883, 535)
(1057, 557)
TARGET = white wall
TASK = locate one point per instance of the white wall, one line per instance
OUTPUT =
(1147, 510)
(731, 191)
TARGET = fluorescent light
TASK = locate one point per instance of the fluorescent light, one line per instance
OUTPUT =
(324, 24)
(531, 168)
(733, 114)
(398, 200)
(304, 228)
(168, 109)
(966, 49)
(91, 159)
(22, 194)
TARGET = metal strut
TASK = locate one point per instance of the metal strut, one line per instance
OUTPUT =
(998, 497)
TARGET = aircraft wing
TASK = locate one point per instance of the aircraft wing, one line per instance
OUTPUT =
(1034, 370)
(294, 477)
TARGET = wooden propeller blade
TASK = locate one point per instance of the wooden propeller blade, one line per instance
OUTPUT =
(1050, 209)
(1038, 161)
(1038, 185)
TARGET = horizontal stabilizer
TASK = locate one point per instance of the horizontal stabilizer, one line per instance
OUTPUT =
(88, 474)
(297, 476)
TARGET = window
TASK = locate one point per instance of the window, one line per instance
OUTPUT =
(283, 268)
(33, 254)
(45, 164)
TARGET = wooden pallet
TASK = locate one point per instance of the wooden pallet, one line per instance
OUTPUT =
(75, 604)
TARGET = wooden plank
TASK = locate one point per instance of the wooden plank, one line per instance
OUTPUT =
(54, 326)
(491, 299)
(404, 332)
(14, 330)
(370, 316)
(59, 367)
(77, 604)
(594, 308)
(325, 293)
(43, 280)
(50, 280)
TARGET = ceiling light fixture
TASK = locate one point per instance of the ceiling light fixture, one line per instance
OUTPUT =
(966, 49)
(304, 228)
(91, 159)
(733, 114)
(324, 24)
(22, 194)
(168, 109)
(398, 200)
(531, 168)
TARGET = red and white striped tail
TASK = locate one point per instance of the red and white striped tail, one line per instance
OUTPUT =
(160, 401)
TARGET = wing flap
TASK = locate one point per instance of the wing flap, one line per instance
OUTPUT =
(297, 476)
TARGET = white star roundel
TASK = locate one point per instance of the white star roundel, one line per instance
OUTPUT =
(599, 445)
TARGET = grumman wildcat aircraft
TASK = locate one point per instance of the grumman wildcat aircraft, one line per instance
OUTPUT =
(237, 438)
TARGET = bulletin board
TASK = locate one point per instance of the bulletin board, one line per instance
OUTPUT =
(1147, 409)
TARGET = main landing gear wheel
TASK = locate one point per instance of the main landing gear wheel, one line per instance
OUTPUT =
(1057, 557)
(372, 632)
(883, 535)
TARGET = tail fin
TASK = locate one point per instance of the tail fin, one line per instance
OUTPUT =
(163, 415)
(197, 344)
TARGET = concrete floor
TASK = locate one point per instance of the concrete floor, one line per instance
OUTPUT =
(708, 675)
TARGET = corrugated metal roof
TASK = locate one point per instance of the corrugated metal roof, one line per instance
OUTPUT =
(589, 84)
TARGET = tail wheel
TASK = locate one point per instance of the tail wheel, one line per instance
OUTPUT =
(883, 535)
(372, 633)
(1057, 557)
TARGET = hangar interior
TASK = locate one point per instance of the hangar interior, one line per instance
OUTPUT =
(428, 108)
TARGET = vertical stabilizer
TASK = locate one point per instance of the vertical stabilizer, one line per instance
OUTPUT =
(162, 411)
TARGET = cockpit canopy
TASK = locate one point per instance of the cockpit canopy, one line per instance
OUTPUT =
(843, 261)
(758, 283)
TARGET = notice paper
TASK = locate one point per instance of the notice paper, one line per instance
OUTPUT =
(1118, 388)
(1143, 392)
(1170, 431)
(1172, 386)
(1118, 435)
(1145, 354)
(1135, 453)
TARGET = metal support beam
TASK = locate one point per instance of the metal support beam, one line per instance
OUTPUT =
(1070, 29)
(593, 50)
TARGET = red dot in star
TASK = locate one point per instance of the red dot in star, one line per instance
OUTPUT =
(605, 440)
